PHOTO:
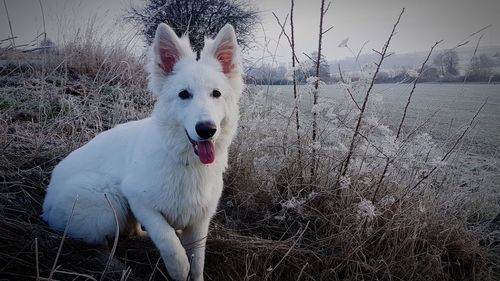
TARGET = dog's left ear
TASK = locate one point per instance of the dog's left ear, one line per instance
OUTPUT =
(224, 48)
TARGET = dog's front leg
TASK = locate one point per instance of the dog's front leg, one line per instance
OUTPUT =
(193, 239)
(164, 236)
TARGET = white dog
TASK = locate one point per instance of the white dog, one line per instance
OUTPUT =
(165, 171)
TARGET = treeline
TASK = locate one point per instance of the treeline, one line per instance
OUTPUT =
(444, 68)
(267, 74)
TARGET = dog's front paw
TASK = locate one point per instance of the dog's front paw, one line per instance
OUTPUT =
(177, 266)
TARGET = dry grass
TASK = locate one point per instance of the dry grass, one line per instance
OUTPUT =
(272, 223)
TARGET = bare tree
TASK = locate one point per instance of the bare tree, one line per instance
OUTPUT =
(450, 61)
(200, 18)
(438, 62)
(480, 68)
(496, 58)
(447, 61)
(486, 61)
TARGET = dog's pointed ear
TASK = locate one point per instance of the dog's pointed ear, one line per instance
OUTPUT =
(167, 48)
(224, 48)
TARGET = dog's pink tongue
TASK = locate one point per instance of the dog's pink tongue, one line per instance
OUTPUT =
(206, 152)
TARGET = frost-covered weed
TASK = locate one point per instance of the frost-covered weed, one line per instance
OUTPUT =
(366, 211)
(382, 161)
(344, 182)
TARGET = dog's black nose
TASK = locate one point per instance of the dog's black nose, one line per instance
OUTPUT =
(206, 129)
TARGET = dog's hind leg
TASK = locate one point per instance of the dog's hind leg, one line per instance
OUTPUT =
(134, 228)
(79, 204)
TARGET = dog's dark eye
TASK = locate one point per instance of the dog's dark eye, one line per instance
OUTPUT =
(216, 94)
(184, 95)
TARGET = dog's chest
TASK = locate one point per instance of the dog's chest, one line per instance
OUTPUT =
(188, 196)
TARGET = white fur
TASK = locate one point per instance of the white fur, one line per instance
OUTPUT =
(148, 167)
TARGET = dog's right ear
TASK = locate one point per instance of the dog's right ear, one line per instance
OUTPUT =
(167, 48)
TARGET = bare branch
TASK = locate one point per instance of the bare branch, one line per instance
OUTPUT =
(290, 41)
(10, 24)
(327, 7)
(348, 90)
(361, 49)
(467, 39)
(309, 57)
(328, 29)
(365, 102)
(390, 54)
(457, 141)
(316, 86)
(295, 94)
(415, 86)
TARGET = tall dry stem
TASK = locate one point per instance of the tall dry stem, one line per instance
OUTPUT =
(10, 25)
(43, 21)
(294, 79)
(323, 11)
(415, 81)
(445, 156)
(383, 55)
(54, 265)
(291, 42)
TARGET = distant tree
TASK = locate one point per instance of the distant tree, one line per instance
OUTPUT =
(486, 61)
(200, 18)
(281, 72)
(447, 62)
(450, 61)
(496, 57)
(429, 74)
(480, 69)
(402, 76)
(438, 61)
(310, 69)
(267, 74)
(382, 77)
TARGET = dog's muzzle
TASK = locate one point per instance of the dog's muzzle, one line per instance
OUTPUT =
(205, 150)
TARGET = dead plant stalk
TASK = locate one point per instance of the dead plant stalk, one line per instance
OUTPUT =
(445, 156)
(388, 161)
(294, 79)
(295, 61)
(54, 266)
(316, 87)
(383, 55)
(115, 242)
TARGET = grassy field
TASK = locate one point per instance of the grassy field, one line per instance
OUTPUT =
(276, 221)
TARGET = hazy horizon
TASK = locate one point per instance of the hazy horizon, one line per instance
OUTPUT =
(423, 23)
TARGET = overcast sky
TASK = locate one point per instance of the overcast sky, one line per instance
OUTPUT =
(424, 22)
